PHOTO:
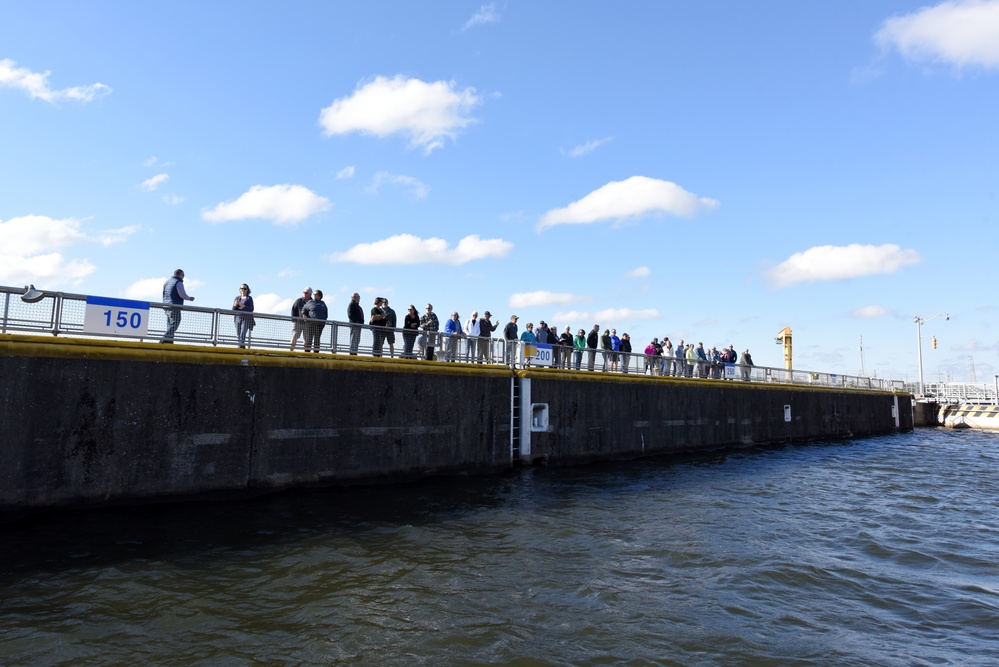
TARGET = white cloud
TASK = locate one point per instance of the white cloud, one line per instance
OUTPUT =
(633, 197)
(409, 249)
(281, 204)
(346, 172)
(428, 113)
(156, 181)
(840, 263)
(960, 32)
(147, 289)
(542, 298)
(150, 161)
(588, 147)
(486, 14)
(27, 246)
(111, 236)
(173, 200)
(151, 289)
(625, 314)
(272, 304)
(37, 85)
(639, 272)
(417, 188)
(570, 316)
(870, 312)
(972, 345)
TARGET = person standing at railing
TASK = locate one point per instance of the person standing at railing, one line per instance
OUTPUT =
(650, 356)
(615, 350)
(747, 364)
(486, 329)
(625, 351)
(452, 337)
(297, 324)
(473, 329)
(592, 339)
(666, 359)
(510, 335)
(377, 321)
(174, 294)
(679, 359)
(390, 325)
(702, 361)
(355, 315)
(315, 312)
(691, 360)
(528, 338)
(578, 345)
(565, 342)
(410, 325)
(430, 325)
(244, 321)
(606, 350)
(552, 331)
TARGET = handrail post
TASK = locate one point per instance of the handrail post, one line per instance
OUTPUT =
(6, 310)
(56, 313)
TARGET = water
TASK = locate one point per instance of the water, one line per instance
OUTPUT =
(870, 552)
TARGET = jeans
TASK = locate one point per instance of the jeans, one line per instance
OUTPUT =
(313, 334)
(408, 339)
(355, 338)
(173, 322)
(242, 328)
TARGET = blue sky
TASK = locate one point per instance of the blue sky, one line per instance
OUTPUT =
(707, 172)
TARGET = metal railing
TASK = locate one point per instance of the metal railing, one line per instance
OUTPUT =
(58, 313)
(957, 392)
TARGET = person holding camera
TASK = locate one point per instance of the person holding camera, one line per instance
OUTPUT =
(243, 303)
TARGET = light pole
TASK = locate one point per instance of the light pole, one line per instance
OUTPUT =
(920, 321)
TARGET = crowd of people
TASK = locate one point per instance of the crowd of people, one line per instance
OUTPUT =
(424, 337)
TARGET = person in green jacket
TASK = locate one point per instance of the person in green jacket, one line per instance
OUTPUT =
(578, 346)
(691, 359)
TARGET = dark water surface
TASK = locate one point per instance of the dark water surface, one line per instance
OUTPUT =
(882, 551)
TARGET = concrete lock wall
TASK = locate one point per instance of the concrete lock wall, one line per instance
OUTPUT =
(95, 422)
(597, 417)
(92, 422)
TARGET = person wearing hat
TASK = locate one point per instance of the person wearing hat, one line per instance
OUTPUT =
(174, 294)
(298, 324)
(486, 329)
(510, 334)
(244, 304)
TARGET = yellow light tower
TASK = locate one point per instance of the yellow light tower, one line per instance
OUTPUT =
(784, 336)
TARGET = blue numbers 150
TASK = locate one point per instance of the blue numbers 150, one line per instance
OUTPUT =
(123, 319)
